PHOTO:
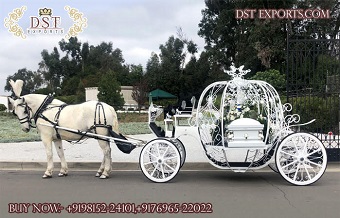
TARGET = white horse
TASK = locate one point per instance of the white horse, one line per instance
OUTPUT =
(89, 116)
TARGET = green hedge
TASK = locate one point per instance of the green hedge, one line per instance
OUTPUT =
(69, 99)
(2, 107)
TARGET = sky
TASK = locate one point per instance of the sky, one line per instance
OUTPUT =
(137, 27)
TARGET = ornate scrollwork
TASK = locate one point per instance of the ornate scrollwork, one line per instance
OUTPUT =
(80, 22)
(11, 22)
(292, 119)
(154, 112)
(287, 107)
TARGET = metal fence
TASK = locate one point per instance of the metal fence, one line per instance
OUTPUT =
(313, 88)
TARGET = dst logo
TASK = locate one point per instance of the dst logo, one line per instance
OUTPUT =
(45, 23)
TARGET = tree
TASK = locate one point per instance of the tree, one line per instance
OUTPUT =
(153, 72)
(140, 93)
(72, 48)
(273, 77)
(83, 65)
(317, 28)
(171, 57)
(259, 44)
(135, 74)
(32, 81)
(166, 70)
(109, 90)
(73, 61)
(219, 29)
(51, 69)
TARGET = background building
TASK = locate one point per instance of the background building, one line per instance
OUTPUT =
(92, 92)
(4, 101)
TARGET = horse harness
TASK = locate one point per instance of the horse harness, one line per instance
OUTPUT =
(124, 146)
(44, 106)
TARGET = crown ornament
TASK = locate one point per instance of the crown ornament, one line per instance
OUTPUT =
(235, 72)
(45, 12)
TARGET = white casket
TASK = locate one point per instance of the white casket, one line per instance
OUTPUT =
(245, 133)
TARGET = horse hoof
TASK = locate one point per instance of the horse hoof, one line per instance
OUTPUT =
(98, 174)
(46, 176)
(103, 177)
(62, 174)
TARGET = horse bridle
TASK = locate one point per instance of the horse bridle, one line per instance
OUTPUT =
(27, 111)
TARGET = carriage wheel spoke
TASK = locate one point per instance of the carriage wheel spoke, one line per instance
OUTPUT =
(169, 166)
(162, 169)
(311, 162)
(309, 177)
(295, 145)
(169, 158)
(305, 146)
(167, 148)
(286, 153)
(314, 152)
(159, 153)
(151, 154)
(304, 150)
(296, 172)
(151, 162)
(294, 162)
(153, 172)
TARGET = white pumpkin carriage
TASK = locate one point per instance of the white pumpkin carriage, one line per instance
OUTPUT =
(242, 126)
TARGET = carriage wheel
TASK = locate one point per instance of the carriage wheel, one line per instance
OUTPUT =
(301, 158)
(160, 160)
(181, 149)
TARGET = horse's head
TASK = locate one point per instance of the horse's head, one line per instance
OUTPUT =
(20, 107)
(23, 112)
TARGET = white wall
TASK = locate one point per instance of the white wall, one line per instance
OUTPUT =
(92, 92)
(4, 101)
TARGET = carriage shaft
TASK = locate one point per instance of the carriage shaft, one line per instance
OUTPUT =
(91, 135)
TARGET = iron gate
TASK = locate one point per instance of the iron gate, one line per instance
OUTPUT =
(313, 88)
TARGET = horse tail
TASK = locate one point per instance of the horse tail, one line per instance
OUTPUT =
(115, 120)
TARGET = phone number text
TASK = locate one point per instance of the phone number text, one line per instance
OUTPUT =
(131, 208)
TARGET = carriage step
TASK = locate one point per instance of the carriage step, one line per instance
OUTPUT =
(239, 165)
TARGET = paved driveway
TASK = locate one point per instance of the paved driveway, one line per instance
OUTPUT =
(252, 194)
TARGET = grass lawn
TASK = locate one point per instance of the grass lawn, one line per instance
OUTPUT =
(10, 130)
